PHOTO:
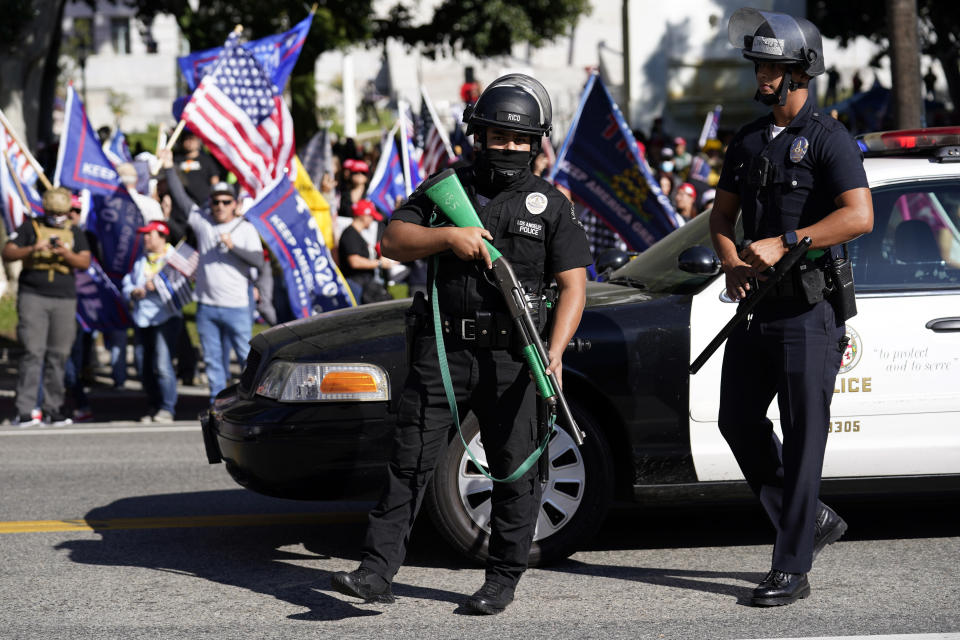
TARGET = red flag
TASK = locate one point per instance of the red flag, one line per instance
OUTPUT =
(238, 113)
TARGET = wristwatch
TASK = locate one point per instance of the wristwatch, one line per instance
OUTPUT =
(789, 239)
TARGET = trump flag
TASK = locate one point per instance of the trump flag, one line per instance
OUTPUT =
(283, 220)
(387, 183)
(100, 304)
(277, 54)
(81, 161)
(600, 164)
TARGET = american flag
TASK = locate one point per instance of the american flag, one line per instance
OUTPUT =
(238, 113)
(173, 280)
(437, 153)
(184, 259)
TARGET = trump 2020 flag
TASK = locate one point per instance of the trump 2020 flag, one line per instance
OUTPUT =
(387, 183)
(600, 164)
(117, 150)
(277, 54)
(81, 161)
(100, 305)
(283, 220)
(114, 219)
(243, 120)
(23, 173)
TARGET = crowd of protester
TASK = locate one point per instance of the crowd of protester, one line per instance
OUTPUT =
(237, 283)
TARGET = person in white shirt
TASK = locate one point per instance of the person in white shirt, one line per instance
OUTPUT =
(228, 247)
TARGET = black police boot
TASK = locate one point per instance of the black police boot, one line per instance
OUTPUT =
(491, 598)
(363, 583)
(779, 588)
(829, 528)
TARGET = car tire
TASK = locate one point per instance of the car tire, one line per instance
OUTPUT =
(573, 504)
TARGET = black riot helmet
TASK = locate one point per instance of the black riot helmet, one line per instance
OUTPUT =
(516, 102)
(766, 36)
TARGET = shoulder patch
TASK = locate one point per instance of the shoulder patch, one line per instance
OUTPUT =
(536, 203)
(574, 218)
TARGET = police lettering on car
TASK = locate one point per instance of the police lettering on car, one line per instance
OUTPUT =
(794, 173)
(528, 221)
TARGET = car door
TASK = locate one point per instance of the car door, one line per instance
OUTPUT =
(896, 405)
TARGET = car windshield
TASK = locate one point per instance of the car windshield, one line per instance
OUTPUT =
(656, 268)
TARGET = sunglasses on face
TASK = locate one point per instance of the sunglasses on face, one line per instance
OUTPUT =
(222, 202)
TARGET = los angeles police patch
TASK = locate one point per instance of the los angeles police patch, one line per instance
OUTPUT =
(536, 203)
(799, 149)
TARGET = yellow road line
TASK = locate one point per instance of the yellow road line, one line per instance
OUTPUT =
(241, 520)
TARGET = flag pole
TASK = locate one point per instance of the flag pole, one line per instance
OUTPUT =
(16, 179)
(404, 151)
(180, 125)
(26, 151)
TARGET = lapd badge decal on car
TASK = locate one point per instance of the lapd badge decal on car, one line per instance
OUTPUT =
(536, 203)
(851, 355)
(799, 149)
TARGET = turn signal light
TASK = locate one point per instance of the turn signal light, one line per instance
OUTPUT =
(348, 382)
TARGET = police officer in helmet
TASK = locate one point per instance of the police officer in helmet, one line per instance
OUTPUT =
(794, 173)
(533, 225)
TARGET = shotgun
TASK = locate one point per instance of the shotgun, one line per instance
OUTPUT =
(448, 194)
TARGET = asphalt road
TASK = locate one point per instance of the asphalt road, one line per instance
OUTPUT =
(122, 531)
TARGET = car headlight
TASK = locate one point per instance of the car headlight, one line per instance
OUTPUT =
(321, 382)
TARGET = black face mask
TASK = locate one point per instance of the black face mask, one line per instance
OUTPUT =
(500, 168)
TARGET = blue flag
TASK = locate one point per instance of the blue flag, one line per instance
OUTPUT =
(387, 183)
(600, 164)
(117, 149)
(100, 304)
(283, 220)
(114, 219)
(276, 54)
(81, 162)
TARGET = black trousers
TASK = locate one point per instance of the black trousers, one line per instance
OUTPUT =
(791, 350)
(497, 388)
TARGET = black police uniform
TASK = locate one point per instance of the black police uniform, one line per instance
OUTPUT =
(790, 347)
(533, 226)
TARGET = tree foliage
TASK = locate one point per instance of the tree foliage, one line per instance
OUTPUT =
(483, 27)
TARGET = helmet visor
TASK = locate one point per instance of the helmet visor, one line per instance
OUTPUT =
(765, 35)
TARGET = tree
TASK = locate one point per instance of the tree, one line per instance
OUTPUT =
(29, 47)
(905, 63)
(939, 27)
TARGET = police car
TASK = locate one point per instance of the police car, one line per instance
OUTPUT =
(313, 414)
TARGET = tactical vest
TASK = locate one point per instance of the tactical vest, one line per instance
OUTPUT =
(47, 260)
(461, 285)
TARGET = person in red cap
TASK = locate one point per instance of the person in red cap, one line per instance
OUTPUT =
(358, 260)
(157, 322)
(681, 157)
(686, 199)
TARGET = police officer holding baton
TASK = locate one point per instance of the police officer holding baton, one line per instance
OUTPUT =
(794, 173)
(533, 226)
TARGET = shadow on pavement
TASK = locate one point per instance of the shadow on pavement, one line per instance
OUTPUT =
(256, 558)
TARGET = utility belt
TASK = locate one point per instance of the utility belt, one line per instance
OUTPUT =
(820, 275)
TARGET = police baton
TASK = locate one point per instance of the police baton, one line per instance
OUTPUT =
(774, 274)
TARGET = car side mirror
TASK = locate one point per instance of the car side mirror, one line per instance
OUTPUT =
(611, 260)
(699, 260)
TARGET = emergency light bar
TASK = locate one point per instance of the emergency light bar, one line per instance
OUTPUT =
(913, 141)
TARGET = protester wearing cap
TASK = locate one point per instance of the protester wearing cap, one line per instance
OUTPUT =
(681, 157)
(356, 187)
(51, 248)
(358, 260)
(157, 322)
(685, 199)
(228, 246)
